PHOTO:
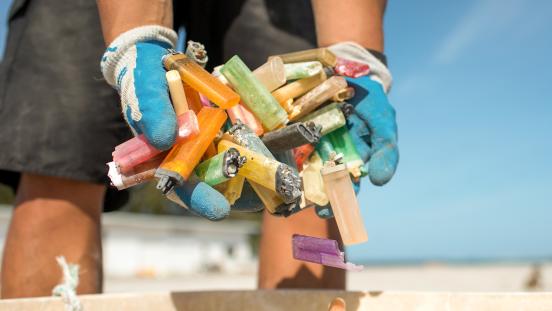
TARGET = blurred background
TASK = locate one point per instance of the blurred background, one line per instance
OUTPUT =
(470, 206)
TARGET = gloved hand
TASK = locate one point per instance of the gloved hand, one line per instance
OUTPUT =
(372, 126)
(132, 64)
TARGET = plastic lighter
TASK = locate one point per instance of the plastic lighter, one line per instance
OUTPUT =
(313, 185)
(253, 94)
(288, 92)
(342, 142)
(344, 94)
(199, 79)
(185, 116)
(340, 192)
(220, 168)
(139, 174)
(302, 70)
(330, 117)
(292, 136)
(351, 68)
(196, 51)
(271, 74)
(325, 148)
(242, 135)
(267, 172)
(183, 157)
(321, 251)
(240, 111)
(233, 189)
(317, 96)
(138, 150)
(301, 154)
(322, 55)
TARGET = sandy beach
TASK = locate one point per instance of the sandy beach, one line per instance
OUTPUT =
(431, 277)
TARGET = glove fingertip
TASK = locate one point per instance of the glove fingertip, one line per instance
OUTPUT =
(204, 200)
(383, 165)
(161, 135)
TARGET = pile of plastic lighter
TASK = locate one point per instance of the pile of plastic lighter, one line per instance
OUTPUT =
(286, 137)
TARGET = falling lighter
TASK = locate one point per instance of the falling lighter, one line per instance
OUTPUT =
(322, 55)
(292, 136)
(267, 172)
(183, 157)
(199, 79)
(271, 74)
(253, 94)
(288, 92)
(330, 117)
(343, 143)
(321, 251)
(316, 97)
(220, 168)
(340, 192)
(302, 70)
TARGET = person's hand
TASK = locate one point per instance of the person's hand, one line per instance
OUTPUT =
(132, 64)
(372, 126)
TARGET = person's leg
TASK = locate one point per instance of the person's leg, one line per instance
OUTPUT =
(52, 217)
(278, 269)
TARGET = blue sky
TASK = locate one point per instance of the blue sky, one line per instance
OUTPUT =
(472, 92)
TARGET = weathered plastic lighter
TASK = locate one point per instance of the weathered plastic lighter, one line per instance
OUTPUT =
(183, 157)
(292, 136)
(253, 94)
(267, 172)
(316, 97)
(321, 251)
(340, 192)
(271, 74)
(220, 168)
(137, 175)
(242, 135)
(343, 143)
(287, 93)
(322, 55)
(302, 70)
(201, 80)
(330, 117)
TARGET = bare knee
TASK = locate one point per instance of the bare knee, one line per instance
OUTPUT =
(52, 217)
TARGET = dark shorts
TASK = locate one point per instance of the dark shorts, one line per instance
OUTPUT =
(57, 115)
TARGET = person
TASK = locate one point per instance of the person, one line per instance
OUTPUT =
(66, 215)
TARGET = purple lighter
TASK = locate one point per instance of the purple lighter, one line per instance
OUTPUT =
(322, 251)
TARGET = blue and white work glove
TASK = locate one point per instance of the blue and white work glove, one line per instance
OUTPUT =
(132, 64)
(373, 126)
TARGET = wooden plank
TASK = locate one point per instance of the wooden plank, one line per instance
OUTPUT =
(295, 300)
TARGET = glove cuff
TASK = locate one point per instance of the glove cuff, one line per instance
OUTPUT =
(354, 51)
(116, 52)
